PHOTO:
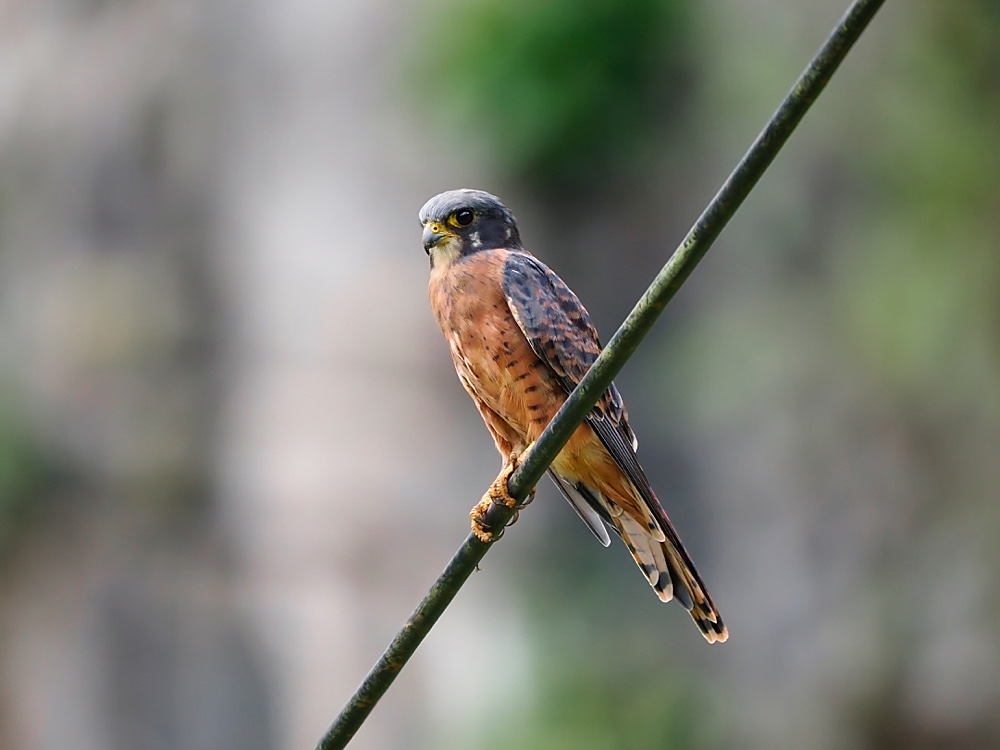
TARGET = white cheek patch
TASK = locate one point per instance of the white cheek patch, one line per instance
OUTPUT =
(476, 242)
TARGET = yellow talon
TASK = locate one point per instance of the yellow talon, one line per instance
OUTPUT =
(497, 494)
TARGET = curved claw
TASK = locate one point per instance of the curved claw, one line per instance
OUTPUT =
(527, 501)
(484, 513)
(481, 525)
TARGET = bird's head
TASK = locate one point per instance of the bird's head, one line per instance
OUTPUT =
(461, 222)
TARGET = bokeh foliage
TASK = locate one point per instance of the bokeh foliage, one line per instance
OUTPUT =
(27, 474)
(599, 707)
(556, 89)
(921, 288)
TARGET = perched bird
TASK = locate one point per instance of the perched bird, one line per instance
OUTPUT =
(521, 341)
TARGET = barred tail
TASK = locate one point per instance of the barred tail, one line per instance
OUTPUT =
(670, 572)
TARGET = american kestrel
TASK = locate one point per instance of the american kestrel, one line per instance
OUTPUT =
(521, 341)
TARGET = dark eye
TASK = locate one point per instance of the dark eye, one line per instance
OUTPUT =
(464, 217)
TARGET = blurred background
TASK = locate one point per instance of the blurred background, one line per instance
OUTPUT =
(234, 453)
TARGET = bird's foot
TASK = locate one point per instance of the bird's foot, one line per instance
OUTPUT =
(484, 515)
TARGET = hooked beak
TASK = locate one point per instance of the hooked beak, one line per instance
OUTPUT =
(433, 234)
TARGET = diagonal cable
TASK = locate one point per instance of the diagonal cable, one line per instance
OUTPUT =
(620, 348)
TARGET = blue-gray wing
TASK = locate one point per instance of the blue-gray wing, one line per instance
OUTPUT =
(561, 333)
(558, 329)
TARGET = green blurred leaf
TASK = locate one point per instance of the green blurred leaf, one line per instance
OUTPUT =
(554, 88)
(25, 475)
(590, 704)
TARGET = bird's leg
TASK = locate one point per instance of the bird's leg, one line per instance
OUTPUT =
(484, 514)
